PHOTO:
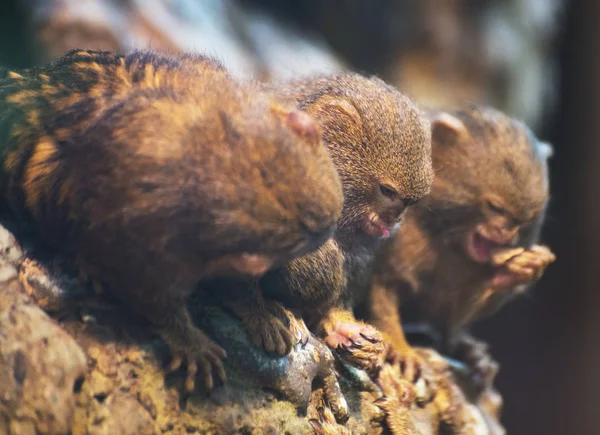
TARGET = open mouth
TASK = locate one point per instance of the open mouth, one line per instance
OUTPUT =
(375, 226)
(480, 248)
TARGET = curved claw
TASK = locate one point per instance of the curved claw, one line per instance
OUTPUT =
(304, 340)
(316, 425)
(413, 368)
(202, 356)
(395, 389)
(371, 338)
(358, 344)
(355, 343)
(380, 402)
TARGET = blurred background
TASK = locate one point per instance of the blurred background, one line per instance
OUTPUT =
(538, 60)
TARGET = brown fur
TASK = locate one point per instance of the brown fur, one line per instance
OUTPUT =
(480, 155)
(375, 135)
(158, 172)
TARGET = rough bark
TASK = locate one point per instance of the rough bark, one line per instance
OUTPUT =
(50, 324)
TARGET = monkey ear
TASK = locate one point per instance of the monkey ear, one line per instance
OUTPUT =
(446, 128)
(339, 119)
(300, 123)
(232, 136)
(545, 150)
(340, 111)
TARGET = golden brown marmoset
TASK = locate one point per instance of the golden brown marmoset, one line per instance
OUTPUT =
(470, 245)
(381, 146)
(157, 172)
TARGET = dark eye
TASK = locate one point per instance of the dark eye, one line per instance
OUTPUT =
(495, 208)
(387, 191)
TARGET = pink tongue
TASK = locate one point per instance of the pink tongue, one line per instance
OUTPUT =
(380, 230)
(482, 247)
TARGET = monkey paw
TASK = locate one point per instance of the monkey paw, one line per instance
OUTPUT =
(269, 328)
(414, 369)
(521, 266)
(309, 367)
(398, 396)
(482, 367)
(200, 354)
(321, 416)
(360, 345)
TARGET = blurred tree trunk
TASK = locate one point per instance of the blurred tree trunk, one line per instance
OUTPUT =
(580, 138)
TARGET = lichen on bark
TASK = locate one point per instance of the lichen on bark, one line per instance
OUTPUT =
(73, 361)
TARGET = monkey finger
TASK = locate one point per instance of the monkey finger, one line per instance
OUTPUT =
(335, 398)
(538, 265)
(335, 339)
(176, 361)
(344, 349)
(218, 366)
(316, 425)
(356, 343)
(413, 372)
(543, 254)
(304, 340)
(504, 255)
(190, 380)
(285, 342)
(217, 351)
(377, 414)
(537, 270)
(527, 273)
(526, 258)
(539, 262)
(424, 391)
(549, 260)
(268, 340)
(190, 384)
(326, 415)
(206, 370)
(524, 273)
(351, 329)
(273, 339)
(276, 338)
(276, 310)
(297, 333)
(543, 250)
(257, 338)
(371, 334)
(409, 369)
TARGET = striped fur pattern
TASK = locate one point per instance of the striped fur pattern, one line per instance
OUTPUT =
(159, 171)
